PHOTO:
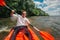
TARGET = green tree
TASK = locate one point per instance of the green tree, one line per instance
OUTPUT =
(19, 5)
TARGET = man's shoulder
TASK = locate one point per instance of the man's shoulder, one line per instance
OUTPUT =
(26, 18)
(18, 15)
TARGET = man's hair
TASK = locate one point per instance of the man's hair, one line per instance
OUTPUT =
(20, 12)
(23, 11)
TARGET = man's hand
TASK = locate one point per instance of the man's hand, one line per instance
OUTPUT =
(13, 11)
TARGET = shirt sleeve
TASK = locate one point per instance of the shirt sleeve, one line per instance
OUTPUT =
(27, 20)
(15, 16)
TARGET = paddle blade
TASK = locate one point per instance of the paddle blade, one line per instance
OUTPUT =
(46, 35)
(2, 3)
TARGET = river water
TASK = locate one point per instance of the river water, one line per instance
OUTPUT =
(50, 24)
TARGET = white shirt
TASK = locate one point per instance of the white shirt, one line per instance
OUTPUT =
(20, 20)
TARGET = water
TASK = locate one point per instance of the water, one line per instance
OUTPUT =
(48, 24)
(45, 23)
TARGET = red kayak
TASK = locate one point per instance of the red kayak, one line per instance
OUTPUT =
(22, 36)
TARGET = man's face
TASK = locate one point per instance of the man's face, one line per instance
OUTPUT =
(24, 14)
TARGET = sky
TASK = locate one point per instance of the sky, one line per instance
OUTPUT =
(52, 7)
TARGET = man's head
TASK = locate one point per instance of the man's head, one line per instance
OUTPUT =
(23, 13)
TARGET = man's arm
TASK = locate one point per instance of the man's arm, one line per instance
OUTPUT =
(28, 22)
(13, 16)
(31, 25)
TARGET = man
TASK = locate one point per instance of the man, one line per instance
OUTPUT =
(22, 23)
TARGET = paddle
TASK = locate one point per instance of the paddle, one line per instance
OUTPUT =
(2, 3)
(44, 34)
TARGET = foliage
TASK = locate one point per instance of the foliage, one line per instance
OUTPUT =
(19, 5)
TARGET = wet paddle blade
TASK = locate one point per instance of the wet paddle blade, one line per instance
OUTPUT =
(2, 3)
(46, 36)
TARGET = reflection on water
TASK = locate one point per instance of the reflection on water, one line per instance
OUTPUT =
(49, 24)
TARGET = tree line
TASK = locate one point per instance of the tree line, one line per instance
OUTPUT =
(19, 5)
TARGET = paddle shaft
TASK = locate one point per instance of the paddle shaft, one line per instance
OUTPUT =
(34, 27)
(8, 8)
